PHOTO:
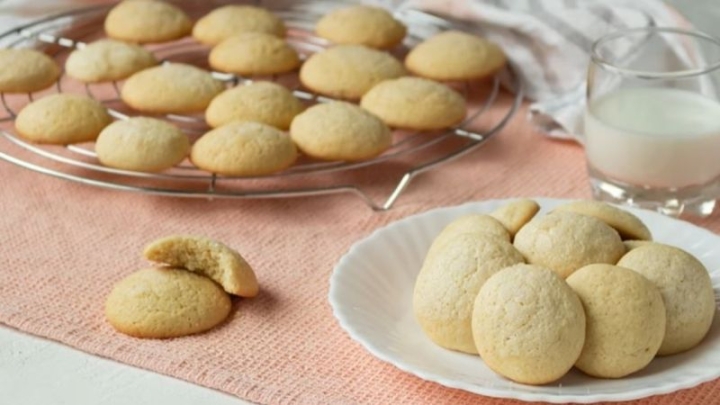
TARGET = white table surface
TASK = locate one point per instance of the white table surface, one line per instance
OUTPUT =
(37, 371)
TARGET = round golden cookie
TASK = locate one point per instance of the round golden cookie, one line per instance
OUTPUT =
(164, 303)
(528, 324)
(515, 214)
(450, 279)
(340, 131)
(565, 241)
(62, 119)
(171, 88)
(144, 21)
(415, 103)
(362, 25)
(254, 53)
(141, 144)
(26, 71)
(625, 320)
(633, 244)
(226, 21)
(686, 290)
(348, 71)
(455, 56)
(628, 225)
(244, 149)
(265, 102)
(475, 223)
(107, 60)
(207, 257)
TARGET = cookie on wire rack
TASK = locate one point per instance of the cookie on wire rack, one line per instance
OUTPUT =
(244, 149)
(108, 60)
(340, 131)
(415, 103)
(26, 71)
(171, 88)
(142, 144)
(265, 102)
(348, 71)
(224, 22)
(147, 21)
(362, 25)
(455, 56)
(254, 53)
(62, 119)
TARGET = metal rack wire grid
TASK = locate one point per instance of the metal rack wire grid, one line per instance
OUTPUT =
(417, 152)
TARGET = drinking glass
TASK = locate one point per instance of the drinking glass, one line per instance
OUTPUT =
(652, 122)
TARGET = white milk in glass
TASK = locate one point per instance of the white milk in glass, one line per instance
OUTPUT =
(654, 137)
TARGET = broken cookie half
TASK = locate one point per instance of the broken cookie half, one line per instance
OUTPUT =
(205, 256)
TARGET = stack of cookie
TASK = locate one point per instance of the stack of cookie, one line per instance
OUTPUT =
(259, 128)
(188, 294)
(581, 286)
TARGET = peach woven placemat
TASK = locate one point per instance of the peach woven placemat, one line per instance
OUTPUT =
(63, 245)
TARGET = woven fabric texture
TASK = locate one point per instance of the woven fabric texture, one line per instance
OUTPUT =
(64, 245)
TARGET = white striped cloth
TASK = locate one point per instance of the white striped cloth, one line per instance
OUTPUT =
(547, 41)
(548, 44)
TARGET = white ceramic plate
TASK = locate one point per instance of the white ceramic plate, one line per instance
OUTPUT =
(371, 296)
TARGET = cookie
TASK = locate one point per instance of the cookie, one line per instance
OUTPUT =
(455, 56)
(244, 149)
(628, 225)
(625, 318)
(633, 244)
(528, 324)
(26, 71)
(415, 103)
(141, 144)
(254, 53)
(340, 131)
(348, 71)
(107, 60)
(264, 102)
(515, 214)
(686, 289)
(450, 279)
(207, 257)
(475, 223)
(166, 303)
(62, 119)
(171, 88)
(362, 25)
(564, 241)
(226, 21)
(147, 21)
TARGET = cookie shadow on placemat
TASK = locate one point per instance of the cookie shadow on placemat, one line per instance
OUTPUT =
(263, 305)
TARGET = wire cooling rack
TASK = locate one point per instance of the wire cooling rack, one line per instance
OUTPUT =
(414, 152)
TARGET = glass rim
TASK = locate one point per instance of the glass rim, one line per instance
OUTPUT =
(645, 74)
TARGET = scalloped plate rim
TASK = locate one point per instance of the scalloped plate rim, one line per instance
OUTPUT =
(344, 321)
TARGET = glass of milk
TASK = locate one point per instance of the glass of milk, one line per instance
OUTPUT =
(652, 122)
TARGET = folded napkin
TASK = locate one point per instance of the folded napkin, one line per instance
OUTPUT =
(548, 44)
